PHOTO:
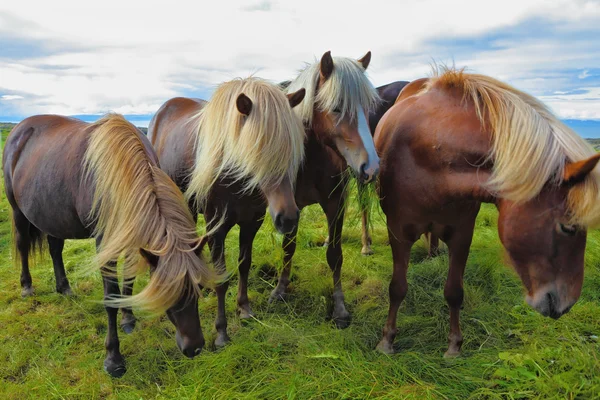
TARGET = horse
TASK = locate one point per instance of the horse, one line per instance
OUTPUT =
(233, 156)
(339, 96)
(463, 139)
(388, 94)
(67, 179)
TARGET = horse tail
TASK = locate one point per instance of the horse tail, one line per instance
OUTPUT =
(33, 237)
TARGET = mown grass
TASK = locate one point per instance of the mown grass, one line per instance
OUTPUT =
(52, 346)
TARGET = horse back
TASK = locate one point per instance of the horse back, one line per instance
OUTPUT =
(172, 133)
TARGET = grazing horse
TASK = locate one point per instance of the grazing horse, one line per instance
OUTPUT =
(463, 139)
(234, 155)
(67, 179)
(388, 94)
(339, 96)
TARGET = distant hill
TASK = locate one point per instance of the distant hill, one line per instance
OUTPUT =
(8, 126)
(595, 143)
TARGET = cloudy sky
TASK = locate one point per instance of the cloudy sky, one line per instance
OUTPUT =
(86, 58)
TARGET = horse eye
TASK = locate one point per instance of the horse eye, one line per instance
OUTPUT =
(569, 230)
(337, 111)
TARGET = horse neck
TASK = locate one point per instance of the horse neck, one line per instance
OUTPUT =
(469, 170)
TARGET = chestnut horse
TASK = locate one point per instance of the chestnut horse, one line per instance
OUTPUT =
(388, 94)
(234, 156)
(463, 139)
(338, 99)
(67, 179)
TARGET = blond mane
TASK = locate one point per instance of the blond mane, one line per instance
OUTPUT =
(260, 149)
(347, 90)
(530, 146)
(135, 205)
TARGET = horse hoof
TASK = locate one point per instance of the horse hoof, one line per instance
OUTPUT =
(114, 369)
(276, 295)
(452, 353)
(342, 321)
(366, 251)
(221, 340)
(128, 327)
(27, 291)
(66, 291)
(245, 313)
(385, 347)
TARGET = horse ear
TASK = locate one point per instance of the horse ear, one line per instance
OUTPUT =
(326, 65)
(244, 104)
(296, 97)
(151, 259)
(577, 171)
(366, 60)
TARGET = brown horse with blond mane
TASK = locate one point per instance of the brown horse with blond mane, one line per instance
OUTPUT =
(234, 156)
(456, 140)
(339, 97)
(67, 179)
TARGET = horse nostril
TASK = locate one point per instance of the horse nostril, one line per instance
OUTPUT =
(278, 220)
(552, 306)
(364, 177)
(197, 351)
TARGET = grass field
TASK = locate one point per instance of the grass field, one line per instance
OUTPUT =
(52, 346)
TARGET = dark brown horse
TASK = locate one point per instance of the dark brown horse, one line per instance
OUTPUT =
(457, 140)
(66, 179)
(338, 99)
(388, 94)
(183, 127)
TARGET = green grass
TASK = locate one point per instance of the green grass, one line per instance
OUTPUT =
(52, 346)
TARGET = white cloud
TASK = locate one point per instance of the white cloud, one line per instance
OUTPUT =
(10, 97)
(584, 74)
(576, 106)
(130, 56)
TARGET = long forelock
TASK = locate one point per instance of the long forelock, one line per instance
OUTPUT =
(260, 149)
(348, 90)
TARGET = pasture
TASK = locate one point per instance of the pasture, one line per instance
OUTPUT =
(51, 346)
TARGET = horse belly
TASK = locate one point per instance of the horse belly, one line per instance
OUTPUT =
(45, 195)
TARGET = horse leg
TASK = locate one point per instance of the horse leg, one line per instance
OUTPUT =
(434, 245)
(56, 246)
(216, 243)
(458, 249)
(23, 242)
(247, 234)
(289, 248)
(366, 237)
(334, 210)
(398, 288)
(114, 363)
(127, 317)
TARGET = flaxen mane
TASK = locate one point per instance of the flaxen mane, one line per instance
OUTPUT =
(136, 205)
(346, 91)
(260, 149)
(530, 146)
